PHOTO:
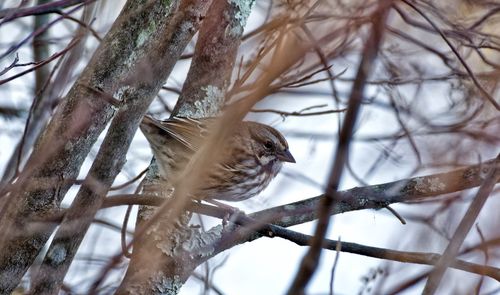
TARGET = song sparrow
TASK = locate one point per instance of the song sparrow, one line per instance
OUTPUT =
(252, 156)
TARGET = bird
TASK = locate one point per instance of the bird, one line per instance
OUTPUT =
(253, 155)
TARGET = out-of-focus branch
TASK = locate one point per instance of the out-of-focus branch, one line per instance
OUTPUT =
(37, 32)
(42, 63)
(82, 24)
(41, 50)
(471, 74)
(310, 261)
(463, 229)
(208, 285)
(10, 14)
(8, 112)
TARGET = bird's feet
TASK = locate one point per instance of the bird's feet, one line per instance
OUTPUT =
(231, 212)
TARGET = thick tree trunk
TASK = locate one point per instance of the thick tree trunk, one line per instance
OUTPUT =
(73, 130)
(143, 83)
(163, 261)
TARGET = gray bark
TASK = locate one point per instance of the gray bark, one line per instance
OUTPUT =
(161, 263)
(74, 128)
(173, 34)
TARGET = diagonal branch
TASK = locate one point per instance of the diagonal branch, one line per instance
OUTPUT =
(310, 261)
(270, 230)
(376, 196)
(10, 14)
(388, 254)
(463, 229)
(368, 197)
(39, 112)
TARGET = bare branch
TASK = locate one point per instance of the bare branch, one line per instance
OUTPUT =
(53, 6)
(457, 54)
(310, 261)
(463, 229)
(180, 26)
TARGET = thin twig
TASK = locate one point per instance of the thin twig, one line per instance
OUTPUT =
(127, 183)
(335, 262)
(10, 14)
(12, 65)
(53, 57)
(37, 32)
(395, 213)
(457, 54)
(299, 113)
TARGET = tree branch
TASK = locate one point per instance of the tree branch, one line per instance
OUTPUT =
(203, 95)
(471, 74)
(376, 196)
(179, 26)
(310, 261)
(71, 133)
(10, 14)
(368, 197)
(463, 229)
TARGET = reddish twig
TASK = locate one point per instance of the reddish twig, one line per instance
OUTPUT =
(53, 6)
(37, 32)
(41, 64)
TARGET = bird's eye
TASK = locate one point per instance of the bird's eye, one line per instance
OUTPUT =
(268, 145)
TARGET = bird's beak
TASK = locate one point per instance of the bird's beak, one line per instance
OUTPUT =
(286, 156)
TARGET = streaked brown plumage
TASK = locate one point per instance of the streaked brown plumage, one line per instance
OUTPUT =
(253, 156)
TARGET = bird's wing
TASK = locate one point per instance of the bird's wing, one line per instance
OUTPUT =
(189, 132)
